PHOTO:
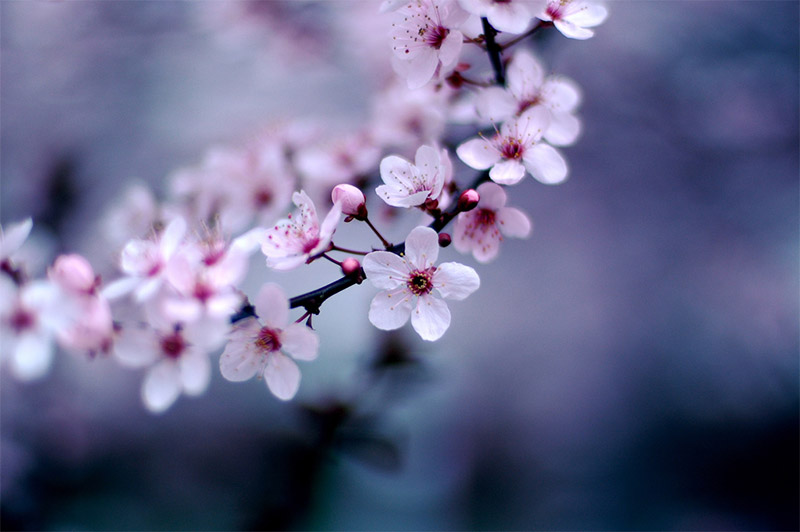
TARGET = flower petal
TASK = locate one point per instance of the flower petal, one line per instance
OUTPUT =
(32, 356)
(564, 129)
(495, 104)
(240, 361)
(390, 310)
(12, 240)
(513, 222)
(282, 376)
(272, 306)
(545, 164)
(493, 197)
(385, 270)
(422, 247)
(571, 30)
(478, 153)
(300, 342)
(431, 318)
(507, 172)
(195, 370)
(161, 386)
(455, 281)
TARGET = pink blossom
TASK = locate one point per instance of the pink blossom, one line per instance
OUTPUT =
(28, 322)
(511, 16)
(12, 239)
(404, 118)
(344, 158)
(481, 230)
(145, 262)
(528, 87)
(410, 185)
(176, 359)
(408, 283)
(426, 39)
(573, 17)
(294, 240)
(515, 149)
(259, 349)
(351, 198)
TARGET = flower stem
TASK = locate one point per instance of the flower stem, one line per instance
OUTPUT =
(515, 40)
(345, 250)
(385, 242)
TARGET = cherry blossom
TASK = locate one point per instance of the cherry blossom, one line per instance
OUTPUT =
(515, 149)
(177, 361)
(426, 39)
(573, 17)
(511, 16)
(352, 199)
(90, 324)
(28, 324)
(404, 118)
(342, 159)
(12, 239)
(528, 87)
(411, 185)
(256, 348)
(294, 240)
(481, 230)
(145, 261)
(408, 282)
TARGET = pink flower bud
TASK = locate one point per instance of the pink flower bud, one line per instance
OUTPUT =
(351, 199)
(444, 240)
(74, 273)
(350, 266)
(468, 200)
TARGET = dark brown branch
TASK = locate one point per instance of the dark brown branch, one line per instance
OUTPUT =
(493, 49)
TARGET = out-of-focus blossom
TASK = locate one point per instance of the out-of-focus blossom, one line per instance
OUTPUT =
(410, 185)
(146, 262)
(29, 319)
(234, 187)
(511, 16)
(515, 149)
(177, 361)
(340, 160)
(132, 216)
(527, 87)
(259, 349)
(292, 241)
(404, 118)
(90, 326)
(481, 229)
(408, 283)
(573, 18)
(426, 39)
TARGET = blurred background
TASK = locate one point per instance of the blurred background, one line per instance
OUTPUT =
(632, 366)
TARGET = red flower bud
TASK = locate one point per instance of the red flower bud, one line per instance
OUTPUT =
(444, 240)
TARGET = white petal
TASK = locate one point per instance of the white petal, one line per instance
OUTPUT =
(564, 129)
(300, 342)
(507, 172)
(161, 386)
(32, 356)
(272, 306)
(561, 94)
(430, 318)
(195, 370)
(573, 31)
(493, 197)
(239, 361)
(589, 15)
(147, 289)
(385, 270)
(282, 376)
(135, 347)
(397, 198)
(12, 240)
(495, 104)
(486, 249)
(329, 224)
(422, 68)
(511, 17)
(455, 281)
(286, 263)
(390, 310)
(545, 164)
(513, 222)
(525, 75)
(451, 48)
(396, 172)
(478, 153)
(172, 237)
(422, 247)
(120, 287)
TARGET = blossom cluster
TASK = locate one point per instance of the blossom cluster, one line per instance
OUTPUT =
(177, 300)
